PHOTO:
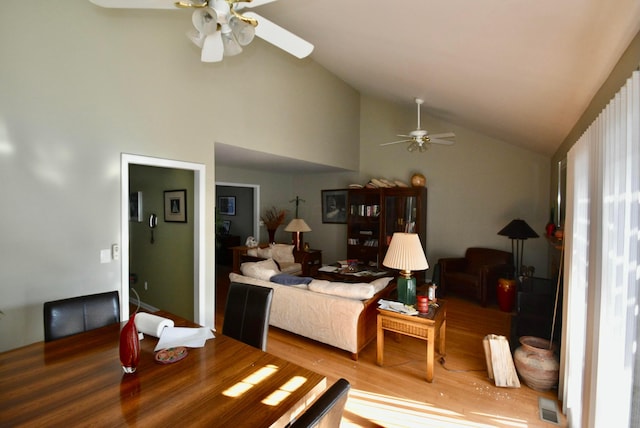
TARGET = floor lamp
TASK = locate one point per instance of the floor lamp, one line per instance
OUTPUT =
(519, 231)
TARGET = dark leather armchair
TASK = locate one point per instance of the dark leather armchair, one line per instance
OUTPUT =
(77, 314)
(246, 314)
(476, 274)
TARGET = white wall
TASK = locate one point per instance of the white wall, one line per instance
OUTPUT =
(79, 85)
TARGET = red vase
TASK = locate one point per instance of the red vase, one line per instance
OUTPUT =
(550, 228)
(129, 346)
(272, 235)
(506, 294)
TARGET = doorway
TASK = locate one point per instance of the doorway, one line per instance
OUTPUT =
(245, 221)
(198, 228)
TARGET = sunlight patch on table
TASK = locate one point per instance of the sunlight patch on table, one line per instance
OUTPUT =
(276, 397)
(248, 382)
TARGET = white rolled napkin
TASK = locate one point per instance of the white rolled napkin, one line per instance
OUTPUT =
(151, 324)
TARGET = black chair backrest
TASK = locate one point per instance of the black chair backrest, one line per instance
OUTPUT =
(326, 411)
(246, 314)
(77, 314)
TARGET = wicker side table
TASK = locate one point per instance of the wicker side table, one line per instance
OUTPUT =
(424, 327)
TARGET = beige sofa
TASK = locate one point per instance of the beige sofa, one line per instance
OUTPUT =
(338, 314)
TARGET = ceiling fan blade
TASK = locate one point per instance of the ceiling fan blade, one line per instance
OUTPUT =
(212, 49)
(395, 142)
(196, 37)
(443, 135)
(280, 37)
(136, 4)
(440, 141)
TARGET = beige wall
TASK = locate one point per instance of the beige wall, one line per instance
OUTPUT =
(80, 86)
(475, 187)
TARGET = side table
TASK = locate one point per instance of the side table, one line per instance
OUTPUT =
(424, 327)
(311, 261)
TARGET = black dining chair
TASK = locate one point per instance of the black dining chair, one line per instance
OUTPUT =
(74, 315)
(246, 314)
(327, 410)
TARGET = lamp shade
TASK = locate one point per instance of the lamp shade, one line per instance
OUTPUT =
(406, 253)
(518, 229)
(297, 225)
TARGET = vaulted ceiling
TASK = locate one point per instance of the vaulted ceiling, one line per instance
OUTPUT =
(518, 70)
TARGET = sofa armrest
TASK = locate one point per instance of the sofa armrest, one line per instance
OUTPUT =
(244, 258)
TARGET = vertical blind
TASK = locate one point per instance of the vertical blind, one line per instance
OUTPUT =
(601, 267)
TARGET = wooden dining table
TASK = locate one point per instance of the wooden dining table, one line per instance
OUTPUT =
(78, 381)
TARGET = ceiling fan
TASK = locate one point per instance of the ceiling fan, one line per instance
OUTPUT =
(220, 29)
(420, 139)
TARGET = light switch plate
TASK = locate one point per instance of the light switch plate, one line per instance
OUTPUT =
(105, 256)
(115, 252)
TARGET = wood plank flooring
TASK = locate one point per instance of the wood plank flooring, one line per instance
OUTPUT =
(397, 395)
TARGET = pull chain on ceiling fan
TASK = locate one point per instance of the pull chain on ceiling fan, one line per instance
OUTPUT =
(420, 139)
(220, 29)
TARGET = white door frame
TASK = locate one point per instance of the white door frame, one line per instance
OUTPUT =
(198, 228)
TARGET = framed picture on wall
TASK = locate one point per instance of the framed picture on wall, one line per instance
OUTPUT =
(226, 227)
(175, 206)
(135, 207)
(227, 205)
(334, 206)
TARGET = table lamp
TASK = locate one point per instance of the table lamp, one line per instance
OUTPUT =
(297, 226)
(519, 231)
(406, 254)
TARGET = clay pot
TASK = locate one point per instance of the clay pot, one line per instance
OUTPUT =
(536, 363)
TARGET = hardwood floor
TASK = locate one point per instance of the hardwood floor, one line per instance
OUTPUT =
(397, 394)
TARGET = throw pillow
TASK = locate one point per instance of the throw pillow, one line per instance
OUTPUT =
(282, 253)
(287, 279)
(380, 283)
(359, 291)
(265, 253)
(263, 270)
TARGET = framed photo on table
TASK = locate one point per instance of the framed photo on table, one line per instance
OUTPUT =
(175, 206)
(334, 206)
(227, 205)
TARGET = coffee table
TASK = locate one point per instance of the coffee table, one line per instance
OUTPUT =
(421, 326)
(352, 277)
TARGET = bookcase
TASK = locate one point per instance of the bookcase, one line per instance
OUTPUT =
(375, 214)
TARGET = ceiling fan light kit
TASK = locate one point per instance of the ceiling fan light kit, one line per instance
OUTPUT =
(420, 139)
(220, 29)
